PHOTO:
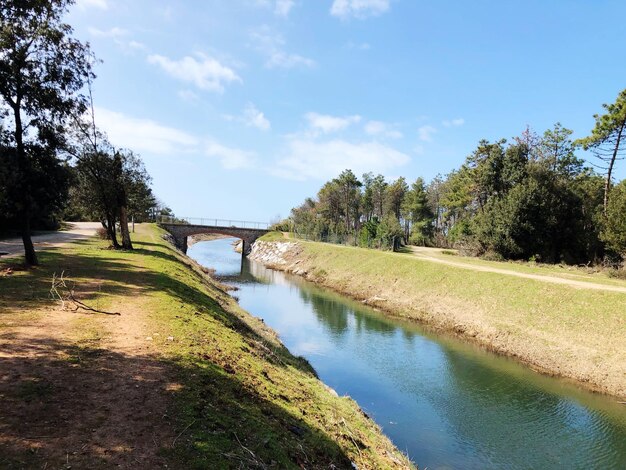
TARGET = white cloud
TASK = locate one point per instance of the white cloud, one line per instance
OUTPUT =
(84, 4)
(167, 13)
(119, 36)
(272, 45)
(363, 46)
(280, 7)
(454, 122)
(204, 72)
(288, 61)
(114, 32)
(358, 8)
(326, 124)
(283, 7)
(382, 129)
(137, 45)
(308, 159)
(254, 118)
(143, 135)
(188, 95)
(425, 133)
(230, 158)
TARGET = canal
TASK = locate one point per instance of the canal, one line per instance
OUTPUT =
(446, 403)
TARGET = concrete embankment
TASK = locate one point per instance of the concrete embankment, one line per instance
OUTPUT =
(558, 330)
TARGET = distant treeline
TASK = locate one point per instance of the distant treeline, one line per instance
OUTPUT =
(530, 198)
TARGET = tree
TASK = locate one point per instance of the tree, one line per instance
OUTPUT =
(120, 183)
(48, 182)
(589, 188)
(394, 196)
(607, 139)
(557, 151)
(389, 232)
(349, 186)
(614, 229)
(111, 183)
(486, 170)
(417, 213)
(379, 189)
(331, 205)
(367, 201)
(42, 70)
(456, 202)
(433, 193)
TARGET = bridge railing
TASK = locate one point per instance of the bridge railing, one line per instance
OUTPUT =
(164, 219)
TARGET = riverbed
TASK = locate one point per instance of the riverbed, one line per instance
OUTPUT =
(446, 403)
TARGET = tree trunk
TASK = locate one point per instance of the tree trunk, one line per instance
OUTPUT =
(111, 231)
(121, 200)
(607, 182)
(126, 241)
(29, 249)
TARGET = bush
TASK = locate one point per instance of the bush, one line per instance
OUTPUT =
(469, 247)
(617, 273)
(102, 233)
(282, 226)
(492, 256)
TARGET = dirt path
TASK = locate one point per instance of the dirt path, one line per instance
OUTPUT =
(78, 231)
(423, 255)
(83, 391)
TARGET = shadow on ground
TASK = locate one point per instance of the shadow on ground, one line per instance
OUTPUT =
(63, 404)
(92, 408)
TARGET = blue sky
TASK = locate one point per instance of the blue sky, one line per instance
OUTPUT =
(242, 108)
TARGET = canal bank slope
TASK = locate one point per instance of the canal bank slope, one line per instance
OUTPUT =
(169, 372)
(561, 330)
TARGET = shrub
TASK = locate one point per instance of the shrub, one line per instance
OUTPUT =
(102, 233)
(617, 273)
(492, 256)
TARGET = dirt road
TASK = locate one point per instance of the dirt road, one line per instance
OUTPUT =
(78, 231)
(427, 255)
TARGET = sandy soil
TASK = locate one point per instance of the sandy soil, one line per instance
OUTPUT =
(83, 391)
(79, 231)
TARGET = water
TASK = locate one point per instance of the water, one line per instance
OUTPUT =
(446, 403)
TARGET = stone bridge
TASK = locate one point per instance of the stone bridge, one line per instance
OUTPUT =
(182, 228)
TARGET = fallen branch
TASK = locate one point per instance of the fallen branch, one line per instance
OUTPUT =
(244, 447)
(255, 460)
(182, 432)
(64, 293)
(358, 449)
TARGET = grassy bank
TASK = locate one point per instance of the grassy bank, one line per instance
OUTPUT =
(562, 330)
(181, 377)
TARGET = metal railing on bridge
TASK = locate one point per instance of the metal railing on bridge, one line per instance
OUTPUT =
(164, 219)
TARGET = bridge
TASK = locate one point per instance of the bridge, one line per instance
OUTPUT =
(182, 227)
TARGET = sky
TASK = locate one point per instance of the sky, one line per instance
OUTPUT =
(242, 108)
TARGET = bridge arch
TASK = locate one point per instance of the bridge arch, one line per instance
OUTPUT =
(180, 232)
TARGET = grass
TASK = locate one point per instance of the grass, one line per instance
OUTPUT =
(244, 400)
(449, 252)
(576, 333)
(273, 237)
(581, 273)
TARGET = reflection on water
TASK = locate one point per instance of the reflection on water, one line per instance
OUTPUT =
(446, 403)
